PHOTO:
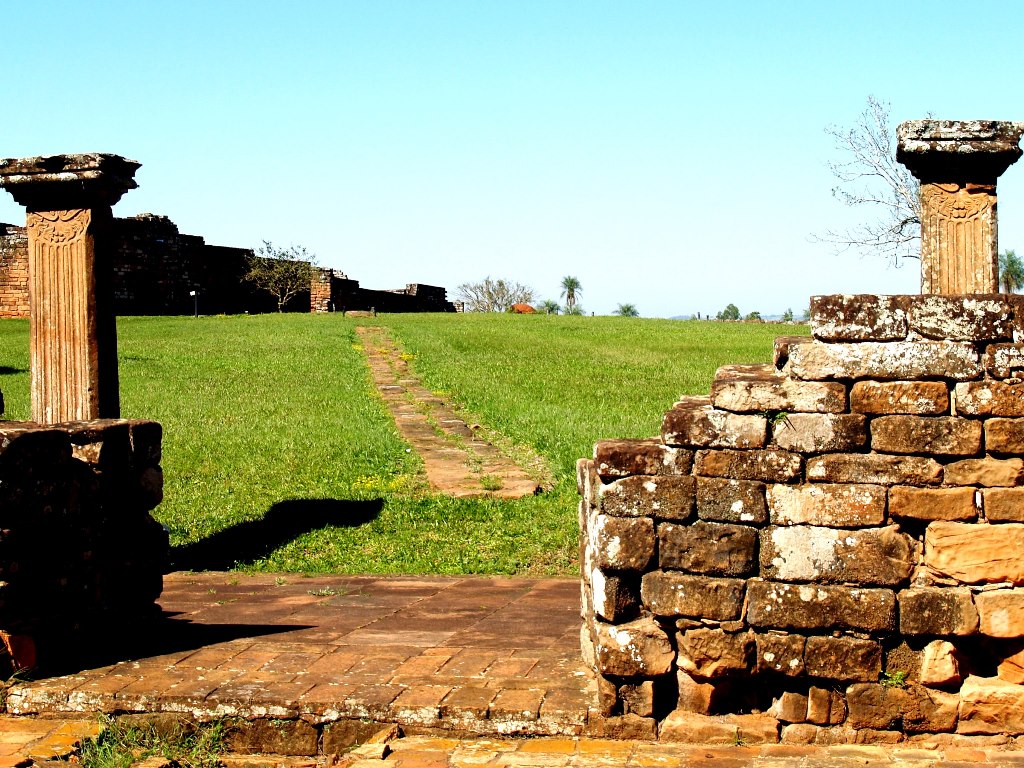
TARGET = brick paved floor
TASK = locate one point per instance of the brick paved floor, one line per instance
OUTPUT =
(486, 655)
(427, 752)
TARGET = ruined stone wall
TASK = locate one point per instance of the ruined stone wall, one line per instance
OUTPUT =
(13, 271)
(334, 292)
(827, 549)
(157, 269)
(77, 543)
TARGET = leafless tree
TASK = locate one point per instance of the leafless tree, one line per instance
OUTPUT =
(869, 178)
(493, 295)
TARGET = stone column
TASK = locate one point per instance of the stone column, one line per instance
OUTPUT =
(73, 331)
(957, 163)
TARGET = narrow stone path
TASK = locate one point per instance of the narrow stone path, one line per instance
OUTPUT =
(458, 461)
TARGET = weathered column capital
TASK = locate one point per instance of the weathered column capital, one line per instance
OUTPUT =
(957, 163)
(73, 344)
(61, 182)
(958, 151)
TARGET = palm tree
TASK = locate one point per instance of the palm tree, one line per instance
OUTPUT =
(627, 310)
(570, 287)
(549, 307)
(1011, 272)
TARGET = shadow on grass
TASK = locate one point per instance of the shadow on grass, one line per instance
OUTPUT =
(6, 370)
(284, 522)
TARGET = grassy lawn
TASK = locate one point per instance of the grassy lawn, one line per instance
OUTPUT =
(262, 412)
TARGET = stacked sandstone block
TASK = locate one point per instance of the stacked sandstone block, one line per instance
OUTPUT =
(77, 542)
(13, 271)
(829, 548)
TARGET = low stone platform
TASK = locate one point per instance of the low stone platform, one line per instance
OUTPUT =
(328, 659)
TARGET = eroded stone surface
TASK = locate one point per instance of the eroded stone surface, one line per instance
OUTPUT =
(936, 435)
(859, 317)
(667, 497)
(771, 605)
(897, 360)
(847, 659)
(623, 543)
(706, 427)
(875, 468)
(731, 501)
(780, 653)
(768, 465)
(1004, 436)
(990, 705)
(639, 647)
(669, 593)
(621, 458)
(921, 398)
(975, 554)
(1003, 361)
(1001, 612)
(820, 432)
(962, 318)
(937, 611)
(1004, 505)
(709, 653)
(990, 398)
(883, 556)
(987, 472)
(932, 503)
(762, 388)
(827, 504)
(940, 666)
(717, 549)
(913, 708)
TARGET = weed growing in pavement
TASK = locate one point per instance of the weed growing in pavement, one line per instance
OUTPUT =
(121, 746)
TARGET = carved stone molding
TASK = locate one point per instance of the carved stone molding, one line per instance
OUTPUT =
(59, 227)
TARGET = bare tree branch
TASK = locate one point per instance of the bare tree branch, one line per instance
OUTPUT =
(493, 295)
(870, 178)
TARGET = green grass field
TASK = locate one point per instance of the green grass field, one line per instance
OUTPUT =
(261, 411)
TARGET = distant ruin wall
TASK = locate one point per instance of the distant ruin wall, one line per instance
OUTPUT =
(334, 292)
(827, 549)
(78, 545)
(158, 268)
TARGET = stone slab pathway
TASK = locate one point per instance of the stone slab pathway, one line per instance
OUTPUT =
(430, 752)
(458, 461)
(487, 655)
(24, 741)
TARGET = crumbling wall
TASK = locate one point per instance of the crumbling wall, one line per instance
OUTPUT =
(13, 271)
(334, 292)
(78, 545)
(827, 549)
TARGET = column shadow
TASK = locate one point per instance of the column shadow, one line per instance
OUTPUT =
(284, 521)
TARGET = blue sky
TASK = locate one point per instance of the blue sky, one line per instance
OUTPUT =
(668, 154)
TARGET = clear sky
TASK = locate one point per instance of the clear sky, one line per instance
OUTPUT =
(668, 154)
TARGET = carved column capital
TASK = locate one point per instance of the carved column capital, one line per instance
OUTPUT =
(73, 344)
(957, 163)
(961, 151)
(61, 182)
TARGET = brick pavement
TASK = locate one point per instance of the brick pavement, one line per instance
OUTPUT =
(486, 655)
(432, 752)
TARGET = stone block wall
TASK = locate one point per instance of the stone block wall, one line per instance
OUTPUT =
(78, 545)
(13, 271)
(829, 548)
(333, 291)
